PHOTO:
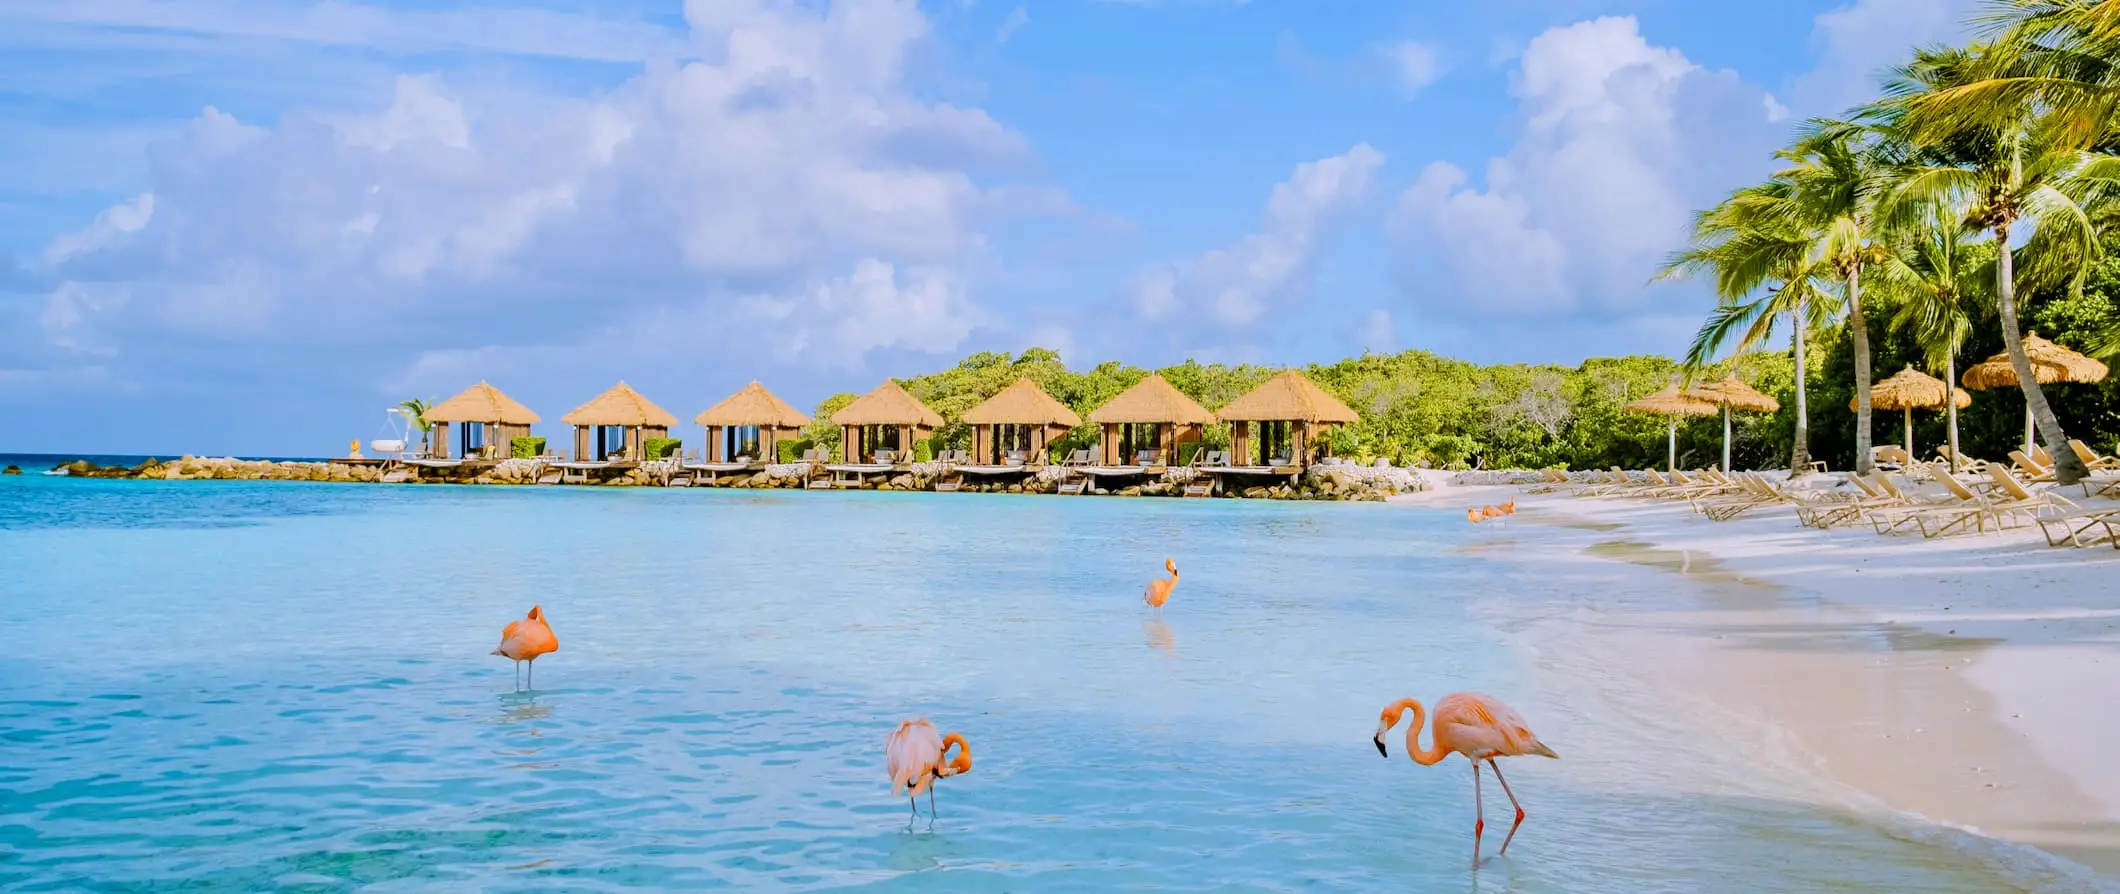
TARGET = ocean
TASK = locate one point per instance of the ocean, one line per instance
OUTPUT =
(248, 686)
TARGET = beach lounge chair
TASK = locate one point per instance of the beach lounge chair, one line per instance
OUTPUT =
(1943, 455)
(1978, 511)
(2032, 469)
(2091, 459)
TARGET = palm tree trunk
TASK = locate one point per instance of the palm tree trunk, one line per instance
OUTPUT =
(1950, 403)
(1800, 453)
(1862, 370)
(2068, 469)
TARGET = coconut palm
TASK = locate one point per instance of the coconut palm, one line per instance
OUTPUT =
(417, 410)
(2011, 173)
(1836, 173)
(1937, 277)
(2059, 56)
(1763, 271)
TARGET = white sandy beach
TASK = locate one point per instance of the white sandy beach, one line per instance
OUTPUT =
(1965, 679)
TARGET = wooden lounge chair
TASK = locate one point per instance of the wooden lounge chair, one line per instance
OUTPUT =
(1979, 511)
(1827, 514)
(1967, 463)
(2032, 469)
(2091, 459)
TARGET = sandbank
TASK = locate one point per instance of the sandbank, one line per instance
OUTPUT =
(1968, 680)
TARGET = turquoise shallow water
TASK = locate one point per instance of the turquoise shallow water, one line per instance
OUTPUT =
(269, 686)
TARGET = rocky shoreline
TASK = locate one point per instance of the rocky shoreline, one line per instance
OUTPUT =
(1340, 482)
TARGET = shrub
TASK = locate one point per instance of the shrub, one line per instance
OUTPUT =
(661, 448)
(924, 451)
(526, 447)
(792, 451)
(1189, 451)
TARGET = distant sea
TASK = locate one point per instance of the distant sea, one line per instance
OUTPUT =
(38, 462)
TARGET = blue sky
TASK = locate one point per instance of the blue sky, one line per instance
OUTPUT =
(249, 225)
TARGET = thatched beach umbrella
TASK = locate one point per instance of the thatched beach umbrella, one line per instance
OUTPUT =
(2050, 363)
(1910, 389)
(1674, 403)
(1733, 394)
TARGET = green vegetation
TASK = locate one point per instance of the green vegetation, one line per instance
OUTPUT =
(1893, 215)
(526, 448)
(661, 448)
(418, 408)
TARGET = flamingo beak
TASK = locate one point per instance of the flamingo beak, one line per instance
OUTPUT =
(1379, 740)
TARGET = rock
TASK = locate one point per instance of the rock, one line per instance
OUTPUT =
(1255, 493)
(1134, 491)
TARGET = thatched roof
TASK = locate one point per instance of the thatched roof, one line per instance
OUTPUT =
(1152, 400)
(1912, 389)
(481, 403)
(753, 405)
(1673, 402)
(1288, 397)
(889, 404)
(1732, 392)
(620, 406)
(1022, 403)
(2050, 363)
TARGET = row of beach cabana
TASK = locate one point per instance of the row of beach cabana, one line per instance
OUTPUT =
(1278, 429)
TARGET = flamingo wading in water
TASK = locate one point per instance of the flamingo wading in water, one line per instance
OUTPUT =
(524, 640)
(1479, 727)
(917, 757)
(1158, 591)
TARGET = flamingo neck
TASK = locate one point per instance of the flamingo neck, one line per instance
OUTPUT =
(962, 763)
(1422, 756)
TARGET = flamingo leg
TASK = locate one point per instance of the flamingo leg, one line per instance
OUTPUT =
(518, 675)
(1512, 803)
(1479, 815)
(931, 800)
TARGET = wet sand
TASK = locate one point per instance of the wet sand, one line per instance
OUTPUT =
(1967, 680)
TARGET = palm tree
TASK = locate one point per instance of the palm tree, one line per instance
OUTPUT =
(1934, 279)
(1764, 270)
(417, 409)
(2011, 173)
(1837, 172)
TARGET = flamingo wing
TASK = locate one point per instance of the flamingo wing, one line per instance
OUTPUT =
(1481, 726)
(910, 752)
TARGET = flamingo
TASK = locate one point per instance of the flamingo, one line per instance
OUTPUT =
(1509, 508)
(526, 639)
(1158, 591)
(1479, 727)
(1472, 514)
(917, 758)
(1492, 512)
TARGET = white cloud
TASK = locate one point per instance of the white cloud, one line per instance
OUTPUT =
(1017, 18)
(1234, 284)
(1621, 141)
(789, 159)
(1416, 64)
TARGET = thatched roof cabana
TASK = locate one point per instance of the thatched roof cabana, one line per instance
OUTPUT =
(1674, 402)
(888, 418)
(1733, 394)
(620, 408)
(1911, 389)
(1288, 412)
(487, 422)
(2050, 362)
(1169, 417)
(730, 424)
(1019, 417)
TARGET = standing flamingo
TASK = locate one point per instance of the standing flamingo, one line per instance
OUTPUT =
(917, 757)
(524, 640)
(1479, 727)
(1158, 591)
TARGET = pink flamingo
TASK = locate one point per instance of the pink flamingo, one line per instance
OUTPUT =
(524, 640)
(917, 757)
(1479, 727)
(1158, 591)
